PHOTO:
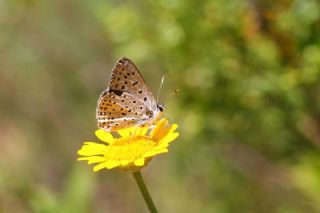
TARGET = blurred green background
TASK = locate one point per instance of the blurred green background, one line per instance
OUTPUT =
(248, 110)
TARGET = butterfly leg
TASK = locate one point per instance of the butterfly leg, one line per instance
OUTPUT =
(150, 127)
(133, 133)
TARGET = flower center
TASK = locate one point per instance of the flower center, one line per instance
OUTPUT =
(129, 148)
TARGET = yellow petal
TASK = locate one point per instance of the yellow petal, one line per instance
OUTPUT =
(104, 136)
(83, 158)
(132, 143)
(93, 159)
(154, 152)
(124, 162)
(99, 167)
(139, 162)
(173, 127)
(158, 132)
(111, 164)
(92, 149)
(141, 131)
(161, 146)
(94, 144)
(125, 132)
(169, 137)
(168, 132)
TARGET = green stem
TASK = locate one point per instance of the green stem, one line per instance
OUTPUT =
(144, 191)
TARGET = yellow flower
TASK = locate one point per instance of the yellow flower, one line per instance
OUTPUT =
(132, 150)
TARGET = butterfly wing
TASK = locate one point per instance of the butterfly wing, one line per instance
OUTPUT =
(128, 101)
(127, 78)
(116, 111)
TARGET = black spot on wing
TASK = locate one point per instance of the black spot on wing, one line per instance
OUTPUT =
(117, 92)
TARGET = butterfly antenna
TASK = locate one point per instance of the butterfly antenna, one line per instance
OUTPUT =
(160, 87)
(172, 94)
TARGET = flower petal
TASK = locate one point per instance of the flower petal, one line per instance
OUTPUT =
(161, 146)
(169, 137)
(139, 162)
(93, 159)
(173, 127)
(141, 131)
(99, 166)
(124, 162)
(104, 136)
(126, 132)
(111, 164)
(91, 148)
(160, 130)
(154, 152)
(132, 150)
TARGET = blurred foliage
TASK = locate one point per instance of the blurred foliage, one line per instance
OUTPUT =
(249, 107)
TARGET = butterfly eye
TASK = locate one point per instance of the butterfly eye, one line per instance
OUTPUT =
(160, 107)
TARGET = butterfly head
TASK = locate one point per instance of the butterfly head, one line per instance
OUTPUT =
(160, 107)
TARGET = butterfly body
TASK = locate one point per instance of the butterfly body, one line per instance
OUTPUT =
(127, 101)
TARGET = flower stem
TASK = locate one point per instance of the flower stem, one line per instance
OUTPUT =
(144, 191)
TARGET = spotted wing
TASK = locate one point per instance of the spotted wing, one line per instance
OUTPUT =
(127, 78)
(118, 110)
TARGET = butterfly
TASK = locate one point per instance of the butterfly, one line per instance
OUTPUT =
(127, 101)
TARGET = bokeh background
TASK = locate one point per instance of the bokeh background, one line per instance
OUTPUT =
(248, 110)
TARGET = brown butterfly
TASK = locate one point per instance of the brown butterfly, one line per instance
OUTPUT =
(127, 101)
